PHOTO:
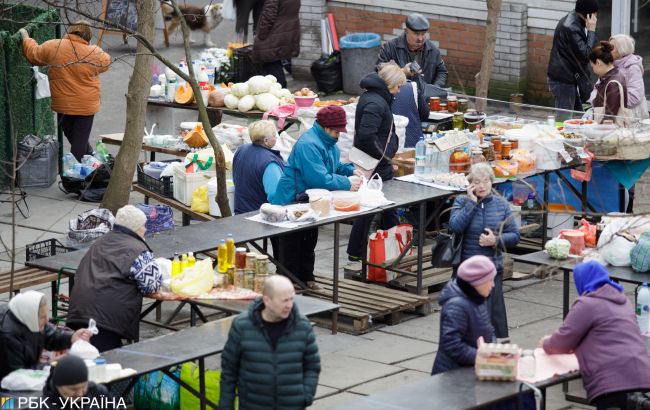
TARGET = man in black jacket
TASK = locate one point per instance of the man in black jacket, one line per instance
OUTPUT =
(568, 75)
(413, 46)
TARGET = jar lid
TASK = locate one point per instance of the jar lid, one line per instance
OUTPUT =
(242, 250)
(262, 257)
(251, 255)
(451, 98)
(434, 98)
(458, 114)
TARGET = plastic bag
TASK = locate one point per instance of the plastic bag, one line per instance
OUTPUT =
(640, 254)
(327, 73)
(590, 233)
(42, 89)
(84, 350)
(401, 123)
(25, 380)
(370, 193)
(200, 200)
(615, 243)
(190, 375)
(160, 218)
(386, 245)
(195, 280)
(89, 226)
(284, 143)
(231, 135)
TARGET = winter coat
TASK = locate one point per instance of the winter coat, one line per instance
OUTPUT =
(613, 103)
(55, 401)
(73, 70)
(631, 68)
(373, 122)
(434, 71)
(470, 219)
(571, 49)
(20, 348)
(284, 377)
(278, 31)
(602, 331)
(314, 162)
(248, 167)
(463, 319)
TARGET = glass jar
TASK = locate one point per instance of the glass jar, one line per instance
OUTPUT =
(240, 278)
(262, 265)
(463, 104)
(514, 142)
(457, 121)
(452, 104)
(251, 258)
(477, 156)
(506, 146)
(459, 161)
(230, 275)
(434, 104)
(224, 279)
(443, 107)
(527, 364)
(258, 284)
(496, 142)
(240, 258)
(488, 151)
(249, 279)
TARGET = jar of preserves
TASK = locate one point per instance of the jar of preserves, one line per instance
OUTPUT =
(506, 146)
(240, 258)
(249, 279)
(459, 161)
(230, 274)
(452, 104)
(443, 107)
(251, 258)
(487, 150)
(463, 104)
(434, 104)
(225, 280)
(240, 278)
(262, 265)
(477, 156)
(496, 142)
(514, 143)
(457, 121)
(258, 284)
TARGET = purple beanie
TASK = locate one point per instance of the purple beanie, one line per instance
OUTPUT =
(477, 270)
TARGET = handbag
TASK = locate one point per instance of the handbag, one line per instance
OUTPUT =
(446, 250)
(624, 115)
(364, 162)
(386, 245)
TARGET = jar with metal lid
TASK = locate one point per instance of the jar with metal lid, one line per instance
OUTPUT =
(488, 151)
(240, 258)
(240, 278)
(452, 104)
(249, 279)
(230, 274)
(459, 161)
(463, 104)
(258, 284)
(443, 107)
(262, 265)
(226, 280)
(506, 146)
(434, 104)
(477, 156)
(514, 142)
(251, 258)
(496, 142)
(457, 121)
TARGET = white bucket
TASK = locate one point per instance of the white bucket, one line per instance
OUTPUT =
(212, 193)
(547, 153)
(524, 136)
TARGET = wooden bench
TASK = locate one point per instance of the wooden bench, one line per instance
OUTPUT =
(27, 277)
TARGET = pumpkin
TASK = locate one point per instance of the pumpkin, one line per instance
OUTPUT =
(196, 138)
(184, 95)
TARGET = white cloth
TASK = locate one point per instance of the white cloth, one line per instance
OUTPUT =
(25, 307)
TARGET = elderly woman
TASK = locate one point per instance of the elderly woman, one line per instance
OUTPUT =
(602, 331)
(374, 134)
(485, 221)
(25, 332)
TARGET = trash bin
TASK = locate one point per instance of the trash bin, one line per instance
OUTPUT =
(359, 52)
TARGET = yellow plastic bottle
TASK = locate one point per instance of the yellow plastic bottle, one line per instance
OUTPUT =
(191, 260)
(230, 247)
(222, 256)
(176, 265)
(184, 262)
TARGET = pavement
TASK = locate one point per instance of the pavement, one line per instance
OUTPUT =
(352, 366)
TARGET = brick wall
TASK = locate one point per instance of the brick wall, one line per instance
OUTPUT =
(539, 51)
(311, 14)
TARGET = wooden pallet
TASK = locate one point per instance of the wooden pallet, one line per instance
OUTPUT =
(363, 305)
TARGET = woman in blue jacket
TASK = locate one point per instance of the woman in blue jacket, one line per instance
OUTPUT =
(486, 223)
(314, 162)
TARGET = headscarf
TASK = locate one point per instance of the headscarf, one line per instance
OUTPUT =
(590, 276)
(25, 307)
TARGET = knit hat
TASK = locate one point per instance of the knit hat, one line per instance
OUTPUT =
(70, 370)
(586, 7)
(130, 217)
(590, 276)
(333, 117)
(25, 306)
(477, 270)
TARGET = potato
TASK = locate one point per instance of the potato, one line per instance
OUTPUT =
(304, 91)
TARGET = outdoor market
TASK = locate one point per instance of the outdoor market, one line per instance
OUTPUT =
(272, 204)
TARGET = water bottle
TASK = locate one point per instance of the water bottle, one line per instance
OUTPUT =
(527, 364)
(171, 87)
(432, 159)
(68, 163)
(420, 158)
(642, 302)
(204, 85)
(101, 152)
(210, 67)
(183, 67)
(162, 79)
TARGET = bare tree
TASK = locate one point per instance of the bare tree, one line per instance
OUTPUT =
(483, 77)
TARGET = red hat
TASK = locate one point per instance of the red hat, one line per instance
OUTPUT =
(332, 116)
(477, 270)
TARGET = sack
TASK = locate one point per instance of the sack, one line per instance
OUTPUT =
(84, 350)
(42, 89)
(640, 254)
(446, 250)
(157, 391)
(160, 218)
(228, 12)
(284, 143)
(37, 159)
(25, 380)
(327, 73)
(624, 116)
(386, 245)
(190, 375)
(200, 200)
(88, 226)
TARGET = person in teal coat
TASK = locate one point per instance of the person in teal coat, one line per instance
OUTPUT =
(314, 162)
(271, 358)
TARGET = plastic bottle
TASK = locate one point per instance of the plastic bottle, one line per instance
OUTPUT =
(210, 67)
(101, 151)
(191, 260)
(642, 303)
(184, 262)
(204, 85)
(68, 163)
(183, 67)
(432, 159)
(176, 265)
(171, 87)
(162, 79)
(195, 68)
(230, 249)
(420, 158)
(527, 364)
(222, 256)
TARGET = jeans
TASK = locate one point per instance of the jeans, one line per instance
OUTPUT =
(566, 97)
(361, 229)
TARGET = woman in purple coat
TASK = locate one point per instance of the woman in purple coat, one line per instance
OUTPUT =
(602, 331)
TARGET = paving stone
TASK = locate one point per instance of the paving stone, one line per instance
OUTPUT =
(329, 343)
(425, 328)
(324, 391)
(333, 401)
(385, 383)
(547, 292)
(388, 349)
(422, 363)
(521, 313)
(528, 335)
(341, 371)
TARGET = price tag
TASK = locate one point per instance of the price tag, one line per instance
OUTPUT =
(565, 155)
(581, 153)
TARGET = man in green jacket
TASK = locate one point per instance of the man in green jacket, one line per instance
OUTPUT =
(271, 357)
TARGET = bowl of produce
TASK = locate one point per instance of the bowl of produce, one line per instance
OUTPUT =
(304, 98)
(346, 201)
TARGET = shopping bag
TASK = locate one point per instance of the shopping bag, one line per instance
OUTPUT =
(590, 233)
(157, 391)
(640, 254)
(386, 245)
(160, 218)
(200, 200)
(42, 89)
(190, 375)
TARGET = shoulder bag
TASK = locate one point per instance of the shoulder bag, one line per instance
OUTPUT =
(624, 115)
(364, 162)
(446, 249)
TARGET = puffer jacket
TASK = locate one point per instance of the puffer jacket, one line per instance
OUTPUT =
(55, 401)
(464, 318)
(20, 348)
(571, 49)
(278, 31)
(73, 70)
(314, 162)
(266, 378)
(374, 120)
(470, 218)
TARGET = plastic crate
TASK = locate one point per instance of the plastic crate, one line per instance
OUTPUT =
(163, 186)
(243, 65)
(185, 184)
(43, 249)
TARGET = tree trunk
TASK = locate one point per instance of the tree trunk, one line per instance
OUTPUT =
(483, 77)
(119, 188)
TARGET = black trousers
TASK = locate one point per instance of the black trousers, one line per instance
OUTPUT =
(361, 229)
(76, 129)
(276, 69)
(297, 253)
(497, 308)
(610, 401)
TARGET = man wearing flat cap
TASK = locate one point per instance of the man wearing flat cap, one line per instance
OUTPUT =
(413, 46)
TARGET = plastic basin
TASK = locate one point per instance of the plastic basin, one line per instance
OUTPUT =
(304, 102)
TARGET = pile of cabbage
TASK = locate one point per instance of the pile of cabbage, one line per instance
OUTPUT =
(261, 92)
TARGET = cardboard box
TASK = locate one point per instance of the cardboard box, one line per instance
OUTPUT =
(405, 162)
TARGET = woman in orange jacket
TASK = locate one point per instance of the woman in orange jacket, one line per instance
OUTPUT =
(74, 66)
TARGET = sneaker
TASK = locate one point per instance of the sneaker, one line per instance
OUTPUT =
(353, 258)
(312, 285)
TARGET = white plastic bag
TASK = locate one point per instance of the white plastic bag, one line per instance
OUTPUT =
(42, 89)
(615, 243)
(25, 380)
(401, 123)
(370, 193)
(228, 10)
(284, 143)
(84, 350)
(231, 135)
(195, 280)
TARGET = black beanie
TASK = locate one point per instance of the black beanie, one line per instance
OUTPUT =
(70, 370)
(586, 7)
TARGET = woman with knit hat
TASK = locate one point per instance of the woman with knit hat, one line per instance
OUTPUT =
(25, 332)
(69, 380)
(465, 317)
(601, 329)
(112, 277)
